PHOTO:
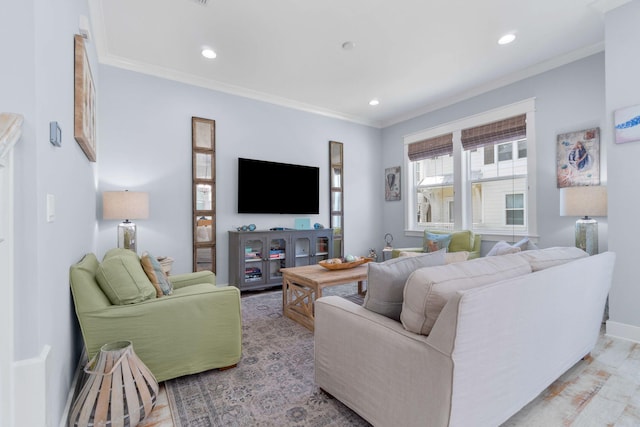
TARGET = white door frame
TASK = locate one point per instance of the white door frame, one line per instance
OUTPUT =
(10, 132)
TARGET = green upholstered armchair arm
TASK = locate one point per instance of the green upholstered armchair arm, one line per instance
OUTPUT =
(200, 320)
(181, 280)
(477, 244)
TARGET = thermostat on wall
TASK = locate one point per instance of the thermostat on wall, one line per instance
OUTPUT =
(55, 134)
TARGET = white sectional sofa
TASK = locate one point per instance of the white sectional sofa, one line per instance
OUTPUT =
(491, 349)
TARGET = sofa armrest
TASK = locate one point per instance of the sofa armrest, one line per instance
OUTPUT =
(362, 358)
(181, 280)
(201, 319)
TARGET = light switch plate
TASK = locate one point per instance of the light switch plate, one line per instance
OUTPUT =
(51, 207)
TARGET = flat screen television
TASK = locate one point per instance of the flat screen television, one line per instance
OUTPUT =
(277, 188)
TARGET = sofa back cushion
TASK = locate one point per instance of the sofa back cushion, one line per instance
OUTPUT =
(428, 289)
(123, 280)
(550, 257)
(386, 280)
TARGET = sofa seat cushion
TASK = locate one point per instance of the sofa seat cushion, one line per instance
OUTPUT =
(386, 280)
(123, 280)
(428, 289)
(550, 257)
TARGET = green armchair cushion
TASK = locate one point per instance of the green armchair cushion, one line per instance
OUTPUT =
(123, 280)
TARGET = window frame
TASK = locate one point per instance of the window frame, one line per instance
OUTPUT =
(462, 183)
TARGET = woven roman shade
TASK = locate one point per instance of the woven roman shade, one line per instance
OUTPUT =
(505, 130)
(432, 147)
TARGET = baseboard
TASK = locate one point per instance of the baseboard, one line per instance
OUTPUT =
(30, 389)
(624, 331)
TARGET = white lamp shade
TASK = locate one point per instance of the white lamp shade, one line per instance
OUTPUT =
(583, 201)
(125, 205)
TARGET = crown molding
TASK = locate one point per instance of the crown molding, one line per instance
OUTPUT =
(604, 6)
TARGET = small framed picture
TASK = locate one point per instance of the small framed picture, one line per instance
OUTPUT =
(627, 124)
(392, 183)
(578, 158)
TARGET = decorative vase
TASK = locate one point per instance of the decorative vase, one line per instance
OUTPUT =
(120, 390)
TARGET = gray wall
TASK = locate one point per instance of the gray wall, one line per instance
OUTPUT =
(568, 98)
(145, 144)
(37, 52)
(623, 67)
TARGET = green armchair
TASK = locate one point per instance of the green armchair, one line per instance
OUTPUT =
(464, 240)
(196, 328)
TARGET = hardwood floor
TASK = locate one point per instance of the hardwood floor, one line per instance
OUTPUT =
(602, 390)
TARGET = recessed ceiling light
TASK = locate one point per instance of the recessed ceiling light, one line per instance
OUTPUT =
(374, 102)
(208, 53)
(507, 38)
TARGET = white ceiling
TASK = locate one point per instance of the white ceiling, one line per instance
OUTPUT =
(412, 55)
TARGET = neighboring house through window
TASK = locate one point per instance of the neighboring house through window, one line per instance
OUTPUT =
(476, 173)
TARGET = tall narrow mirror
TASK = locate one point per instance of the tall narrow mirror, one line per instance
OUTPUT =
(203, 145)
(336, 192)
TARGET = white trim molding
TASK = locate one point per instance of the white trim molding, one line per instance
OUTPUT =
(622, 330)
(10, 133)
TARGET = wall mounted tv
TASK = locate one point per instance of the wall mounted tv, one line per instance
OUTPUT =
(277, 188)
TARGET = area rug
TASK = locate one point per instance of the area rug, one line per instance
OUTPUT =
(273, 384)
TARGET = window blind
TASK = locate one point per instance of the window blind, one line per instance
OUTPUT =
(432, 147)
(506, 130)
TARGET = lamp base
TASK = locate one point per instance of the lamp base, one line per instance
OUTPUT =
(127, 235)
(587, 235)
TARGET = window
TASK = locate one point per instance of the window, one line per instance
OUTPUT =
(522, 149)
(492, 184)
(482, 178)
(505, 152)
(433, 168)
(514, 211)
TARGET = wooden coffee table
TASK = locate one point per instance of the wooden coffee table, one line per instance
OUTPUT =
(301, 286)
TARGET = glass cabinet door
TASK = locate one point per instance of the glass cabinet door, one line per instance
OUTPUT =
(253, 254)
(302, 251)
(277, 257)
(322, 248)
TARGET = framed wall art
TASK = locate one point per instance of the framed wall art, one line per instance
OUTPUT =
(627, 124)
(392, 183)
(84, 126)
(578, 158)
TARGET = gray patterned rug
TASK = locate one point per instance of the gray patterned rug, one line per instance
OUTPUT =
(272, 385)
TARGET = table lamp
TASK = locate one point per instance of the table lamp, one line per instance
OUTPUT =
(125, 205)
(585, 201)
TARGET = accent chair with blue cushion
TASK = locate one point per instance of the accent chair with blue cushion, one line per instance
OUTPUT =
(192, 327)
(456, 241)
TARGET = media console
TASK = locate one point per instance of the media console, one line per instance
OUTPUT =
(256, 257)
